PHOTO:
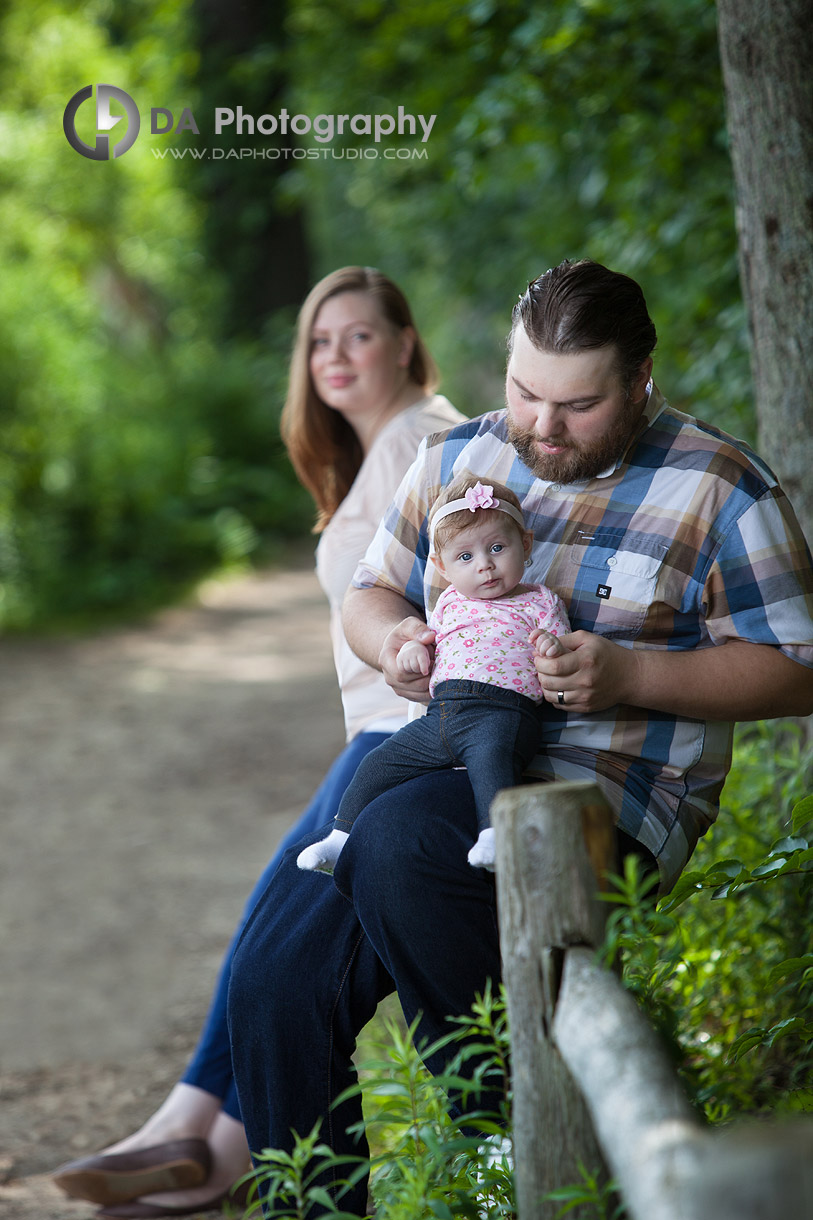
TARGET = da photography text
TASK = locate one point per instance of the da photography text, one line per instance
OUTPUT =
(115, 133)
(324, 127)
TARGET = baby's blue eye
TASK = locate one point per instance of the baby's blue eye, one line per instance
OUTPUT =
(465, 556)
(497, 547)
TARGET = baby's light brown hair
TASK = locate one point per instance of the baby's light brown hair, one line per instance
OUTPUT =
(455, 522)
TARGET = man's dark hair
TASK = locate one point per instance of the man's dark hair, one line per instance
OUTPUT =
(582, 305)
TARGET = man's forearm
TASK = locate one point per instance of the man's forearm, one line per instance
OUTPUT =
(734, 681)
(368, 616)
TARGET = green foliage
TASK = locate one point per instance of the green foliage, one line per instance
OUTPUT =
(137, 453)
(138, 405)
(724, 965)
(601, 1197)
(294, 1180)
(423, 1165)
(562, 129)
(645, 940)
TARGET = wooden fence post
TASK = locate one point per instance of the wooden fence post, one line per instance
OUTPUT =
(546, 893)
(580, 1046)
(667, 1164)
(651, 1138)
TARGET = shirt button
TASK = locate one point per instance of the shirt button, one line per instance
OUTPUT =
(612, 561)
(556, 486)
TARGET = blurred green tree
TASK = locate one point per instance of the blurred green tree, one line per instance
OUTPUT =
(116, 485)
(570, 128)
(148, 301)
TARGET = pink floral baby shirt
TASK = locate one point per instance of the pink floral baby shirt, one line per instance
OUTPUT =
(487, 641)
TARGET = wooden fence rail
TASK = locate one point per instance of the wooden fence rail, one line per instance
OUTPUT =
(592, 1084)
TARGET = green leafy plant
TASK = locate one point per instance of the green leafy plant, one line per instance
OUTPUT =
(724, 964)
(423, 1163)
(590, 1191)
(293, 1181)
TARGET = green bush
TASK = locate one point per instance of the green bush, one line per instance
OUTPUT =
(172, 474)
(140, 449)
(724, 966)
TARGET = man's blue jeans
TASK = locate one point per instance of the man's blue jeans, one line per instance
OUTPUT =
(491, 731)
(407, 911)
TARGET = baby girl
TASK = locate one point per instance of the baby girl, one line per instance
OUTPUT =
(486, 702)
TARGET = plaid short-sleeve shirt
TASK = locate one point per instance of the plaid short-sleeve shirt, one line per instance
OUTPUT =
(687, 542)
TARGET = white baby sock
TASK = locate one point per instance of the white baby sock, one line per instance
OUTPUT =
(321, 857)
(483, 852)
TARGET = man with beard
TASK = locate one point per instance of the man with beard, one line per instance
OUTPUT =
(690, 593)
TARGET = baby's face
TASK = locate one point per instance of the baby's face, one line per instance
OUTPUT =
(486, 559)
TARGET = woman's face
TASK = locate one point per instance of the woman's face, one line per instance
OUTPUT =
(358, 359)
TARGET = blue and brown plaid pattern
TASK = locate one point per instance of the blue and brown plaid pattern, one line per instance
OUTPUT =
(686, 543)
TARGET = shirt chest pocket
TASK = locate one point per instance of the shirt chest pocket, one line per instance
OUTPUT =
(613, 588)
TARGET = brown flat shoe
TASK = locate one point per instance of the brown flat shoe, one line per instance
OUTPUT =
(118, 1177)
(137, 1210)
(141, 1210)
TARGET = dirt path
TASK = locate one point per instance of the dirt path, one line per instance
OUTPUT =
(145, 777)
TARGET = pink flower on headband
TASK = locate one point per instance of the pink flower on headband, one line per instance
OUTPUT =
(480, 497)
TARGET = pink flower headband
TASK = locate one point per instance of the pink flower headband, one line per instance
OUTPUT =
(478, 496)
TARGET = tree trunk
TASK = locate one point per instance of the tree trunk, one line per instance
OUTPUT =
(766, 47)
(255, 239)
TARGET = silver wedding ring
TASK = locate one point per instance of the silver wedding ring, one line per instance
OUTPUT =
(560, 697)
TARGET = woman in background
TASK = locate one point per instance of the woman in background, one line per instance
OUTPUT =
(360, 399)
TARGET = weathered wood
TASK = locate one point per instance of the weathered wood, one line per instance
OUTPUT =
(546, 891)
(591, 1080)
(644, 1123)
(667, 1165)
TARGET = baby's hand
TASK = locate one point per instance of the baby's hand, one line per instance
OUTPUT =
(413, 658)
(547, 645)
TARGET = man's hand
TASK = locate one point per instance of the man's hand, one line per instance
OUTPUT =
(731, 681)
(406, 659)
(592, 673)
